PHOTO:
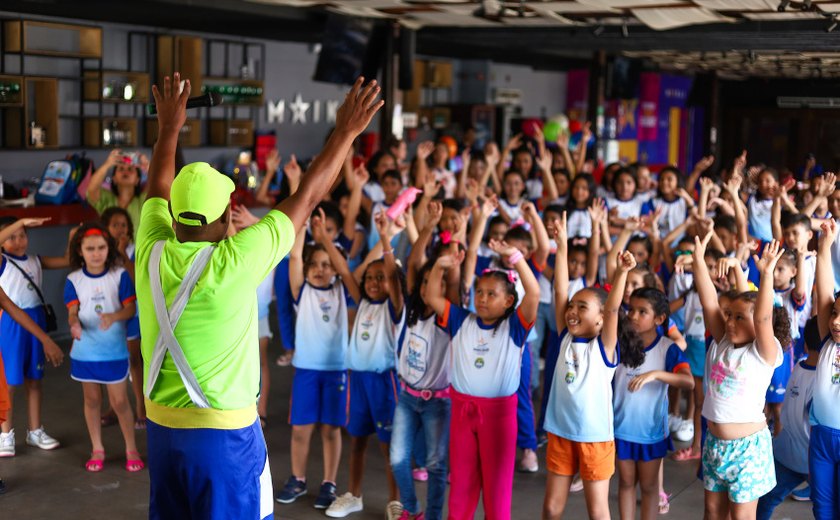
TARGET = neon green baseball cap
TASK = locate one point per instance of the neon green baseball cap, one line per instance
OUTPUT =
(199, 194)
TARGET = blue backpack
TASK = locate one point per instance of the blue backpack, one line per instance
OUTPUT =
(61, 178)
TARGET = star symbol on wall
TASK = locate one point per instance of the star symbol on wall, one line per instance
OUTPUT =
(299, 108)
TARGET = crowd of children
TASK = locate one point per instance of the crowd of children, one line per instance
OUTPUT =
(639, 289)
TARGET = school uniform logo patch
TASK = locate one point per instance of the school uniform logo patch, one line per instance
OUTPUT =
(479, 362)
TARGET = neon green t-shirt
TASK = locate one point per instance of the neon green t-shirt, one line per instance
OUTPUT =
(218, 329)
(107, 199)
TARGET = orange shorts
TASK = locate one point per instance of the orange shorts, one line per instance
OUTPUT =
(594, 460)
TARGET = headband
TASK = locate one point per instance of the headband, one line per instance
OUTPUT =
(93, 232)
(511, 276)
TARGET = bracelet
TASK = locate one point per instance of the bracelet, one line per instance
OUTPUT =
(514, 258)
(387, 252)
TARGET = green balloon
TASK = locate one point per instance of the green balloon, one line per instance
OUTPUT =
(551, 130)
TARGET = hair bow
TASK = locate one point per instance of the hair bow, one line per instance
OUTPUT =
(511, 276)
(446, 237)
(579, 241)
(520, 223)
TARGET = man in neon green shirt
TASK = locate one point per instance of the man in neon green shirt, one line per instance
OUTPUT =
(196, 292)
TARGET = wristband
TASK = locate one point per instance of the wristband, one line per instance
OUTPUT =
(388, 252)
(514, 258)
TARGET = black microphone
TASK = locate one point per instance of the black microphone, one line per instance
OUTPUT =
(211, 99)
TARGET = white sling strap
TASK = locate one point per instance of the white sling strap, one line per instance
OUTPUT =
(168, 320)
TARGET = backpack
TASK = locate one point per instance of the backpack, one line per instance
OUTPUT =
(62, 180)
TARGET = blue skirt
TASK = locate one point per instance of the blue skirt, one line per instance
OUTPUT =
(102, 372)
(626, 450)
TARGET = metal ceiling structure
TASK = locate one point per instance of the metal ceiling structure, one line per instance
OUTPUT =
(738, 37)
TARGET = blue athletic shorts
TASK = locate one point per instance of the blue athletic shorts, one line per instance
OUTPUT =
(781, 376)
(696, 354)
(208, 473)
(626, 450)
(23, 354)
(102, 372)
(132, 328)
(743, 468)
(373, 398)
(318, 396)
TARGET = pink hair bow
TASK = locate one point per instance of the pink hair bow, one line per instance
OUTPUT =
(446, 237)
(511, 276)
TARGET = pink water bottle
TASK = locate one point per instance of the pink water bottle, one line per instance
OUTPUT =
(402, 203)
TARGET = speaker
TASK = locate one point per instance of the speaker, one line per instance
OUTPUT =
(375, 51)
(344, 47)
(408, 45)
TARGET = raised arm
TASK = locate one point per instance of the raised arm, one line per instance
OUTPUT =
(582, 145)
(297, 268)
(434, 295)
(702, 165)
(394, 288)
(421, 166)
(352, 118)
(824, 279)
(542, 242)
(476, 235)
(336, 258)
(356, 179)
(272, 164)
(706, 289)
(631, 225)
(776, 215)
(417, 257)
(94, 188)
(597, 213)
(706, 185)
(171, 115)
(765, 339)
(561, 271)
(609, 333)
(531, 299)
(17, 225)
(800, 289)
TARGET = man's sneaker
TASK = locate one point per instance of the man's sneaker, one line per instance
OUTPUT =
(394, 510)
(7, 444)
(326, 496)
(291, 491)
(344, 505)
(408, 516)
(802, 494)
(39, 438)
(685, 432)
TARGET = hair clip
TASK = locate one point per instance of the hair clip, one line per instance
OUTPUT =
(511, 276)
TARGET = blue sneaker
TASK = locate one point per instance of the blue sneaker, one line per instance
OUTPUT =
(291, 491)
(801, 494)
(326, 496)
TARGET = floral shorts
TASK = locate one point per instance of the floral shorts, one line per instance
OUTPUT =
(741, 467)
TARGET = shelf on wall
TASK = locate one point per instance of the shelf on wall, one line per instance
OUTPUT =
(40, 105)
(11, 91)
(76, 41)
(110, 132)
(232, 132)
(111, 86)
(190, 133)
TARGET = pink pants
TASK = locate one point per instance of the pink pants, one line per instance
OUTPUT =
(482, 454)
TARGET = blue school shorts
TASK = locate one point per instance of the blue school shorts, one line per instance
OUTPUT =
(102, 372)
(318, 396)
(132, 328)
(781, 376)
(208, 473)
(695, 352)
(626, 450)
(23, 354)
(373, 399)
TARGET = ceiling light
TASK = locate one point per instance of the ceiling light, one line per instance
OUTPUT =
(783, 5)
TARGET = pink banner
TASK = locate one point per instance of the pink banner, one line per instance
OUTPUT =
(648, 106)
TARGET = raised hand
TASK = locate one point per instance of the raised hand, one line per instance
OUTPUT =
(450, 261)
(705, 163)
(514, 143)
(492, 155)
(598, 210)
(829, 184)
(471, 190)
(272, 161)
(706, 184)
(114, 157)
(433, 213)
(828, 235)
(626, 262)
(359, 107)
(502, 248)
(292, 169)
(529, 212)
(767, 263)
(381, 221)
(684, 263)
(171, 105)
(241, 217)
(361, 175)
(632, 224)
(561, 230)
(316, 227)
(34, 221)
(725, 265)
(700, 246)
(740, 162)
(431, 187)
(424, 150)
(488, 207)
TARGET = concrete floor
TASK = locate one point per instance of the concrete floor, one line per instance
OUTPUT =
(54, 484)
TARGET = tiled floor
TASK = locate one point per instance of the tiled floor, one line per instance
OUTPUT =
(55, 485)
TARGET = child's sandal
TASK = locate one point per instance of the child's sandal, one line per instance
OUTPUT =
(133, 464)
(664, 503)
(95, 465)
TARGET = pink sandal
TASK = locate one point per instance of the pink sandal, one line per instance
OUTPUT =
(664, 503)
(133, 464)
(95, 465)
(686, 454)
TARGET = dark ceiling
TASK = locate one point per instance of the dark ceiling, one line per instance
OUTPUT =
(546, 48)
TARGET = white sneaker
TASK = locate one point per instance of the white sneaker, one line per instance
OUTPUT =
(685, 432)
(41, 439)
(674, 422)
(577, 485)
(394, 509)
(7, 444)
(344, 505)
